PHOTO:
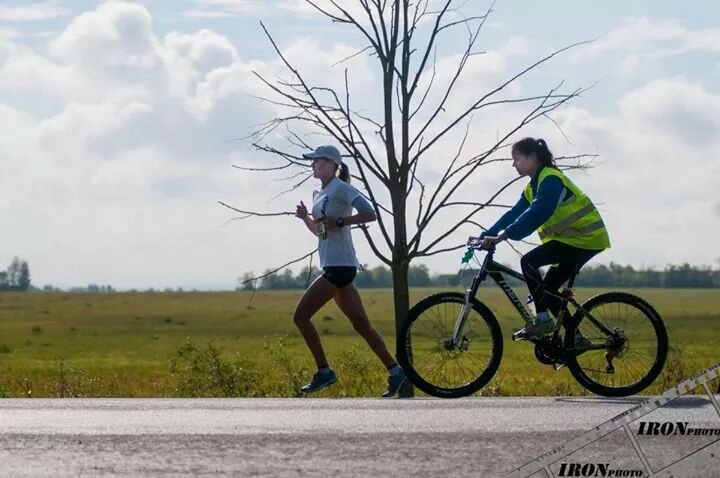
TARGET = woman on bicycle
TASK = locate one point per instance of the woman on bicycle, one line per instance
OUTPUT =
(569, 226)
(330, 220)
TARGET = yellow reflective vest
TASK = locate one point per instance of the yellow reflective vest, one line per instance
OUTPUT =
(576, 221)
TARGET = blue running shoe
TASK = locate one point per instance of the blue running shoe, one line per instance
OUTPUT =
(320, 380)
(394, 384)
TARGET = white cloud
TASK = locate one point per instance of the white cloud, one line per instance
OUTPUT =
(205, 49)
(33, 12)
(238, 5)
(207, 14)
(642, 41)
(656, 38)
(226, 8)
(10, 33)
(118, 33)
(25, 70)
(301, 7)
(80, 124)
(674, 107)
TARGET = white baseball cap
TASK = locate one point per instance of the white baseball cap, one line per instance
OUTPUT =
(326, 151)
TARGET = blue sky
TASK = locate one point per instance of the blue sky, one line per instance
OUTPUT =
(120, 118)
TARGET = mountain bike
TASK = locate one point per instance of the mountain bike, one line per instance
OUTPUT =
(615, 344)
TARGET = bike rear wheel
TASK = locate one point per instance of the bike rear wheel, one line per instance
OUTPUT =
(634, 354)
(435, 367)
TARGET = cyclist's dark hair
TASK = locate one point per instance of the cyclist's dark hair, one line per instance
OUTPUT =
(343, 172)
(537, 146)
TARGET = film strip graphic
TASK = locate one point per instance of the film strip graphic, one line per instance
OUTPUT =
(623, 420)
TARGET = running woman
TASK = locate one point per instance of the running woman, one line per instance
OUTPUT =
(330, 220)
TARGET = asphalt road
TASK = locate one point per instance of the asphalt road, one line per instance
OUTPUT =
(324, 437)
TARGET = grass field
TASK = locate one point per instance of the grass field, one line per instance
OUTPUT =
(223, 344)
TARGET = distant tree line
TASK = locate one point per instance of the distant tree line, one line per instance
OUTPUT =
(16, 277)
(613, 275)
(104, 289)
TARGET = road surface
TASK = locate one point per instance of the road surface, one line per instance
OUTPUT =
(317, 437)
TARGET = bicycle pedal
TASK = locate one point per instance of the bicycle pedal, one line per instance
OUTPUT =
(558, 366)
(519, 335)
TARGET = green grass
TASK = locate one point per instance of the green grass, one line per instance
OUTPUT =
(136, 344)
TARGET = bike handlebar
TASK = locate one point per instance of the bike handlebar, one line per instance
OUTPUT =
(477, 247)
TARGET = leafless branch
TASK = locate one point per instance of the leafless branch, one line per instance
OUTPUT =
(293, 188)
(458, 72)
(479, 102)
(463, 220)
(354, 55)
(430, 47)
(279, 268)
(334, 18)
(321, 115)
(277, 168)
(371, 194)
(374, 248)
(349, 19)
(477, 204)
(508, 242)
(428, 89)
(288, 178)
(542, 108)
(440, 251)
(258, 214)
(464, 21)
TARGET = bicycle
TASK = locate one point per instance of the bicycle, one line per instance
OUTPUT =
(615, 344)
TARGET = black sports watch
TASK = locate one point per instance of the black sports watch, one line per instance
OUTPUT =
(340, 222)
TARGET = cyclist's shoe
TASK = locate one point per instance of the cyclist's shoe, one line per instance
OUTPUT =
(319, 380)
(536, 330)
(394, 384)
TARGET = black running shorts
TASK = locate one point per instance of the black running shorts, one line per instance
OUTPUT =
(340, 276)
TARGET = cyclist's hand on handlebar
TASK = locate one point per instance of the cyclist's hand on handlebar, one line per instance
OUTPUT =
(301, 210)
(473, 241)
(489, 241)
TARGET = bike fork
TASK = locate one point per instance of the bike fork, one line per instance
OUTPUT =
(460, 322)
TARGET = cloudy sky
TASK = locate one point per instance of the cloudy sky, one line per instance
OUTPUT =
(121, 122)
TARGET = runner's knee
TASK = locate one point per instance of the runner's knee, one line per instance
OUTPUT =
(362, 326)
(300, 318)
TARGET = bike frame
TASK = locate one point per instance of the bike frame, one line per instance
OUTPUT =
(497, 272)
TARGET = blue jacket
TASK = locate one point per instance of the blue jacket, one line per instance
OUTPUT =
(525, 218)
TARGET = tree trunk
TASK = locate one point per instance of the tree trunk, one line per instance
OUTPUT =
(401, 296)
(400, 267)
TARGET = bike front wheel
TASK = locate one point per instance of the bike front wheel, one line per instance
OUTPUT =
(436, 366)
(626, 360)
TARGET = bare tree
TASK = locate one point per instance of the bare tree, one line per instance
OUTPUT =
(403, 37)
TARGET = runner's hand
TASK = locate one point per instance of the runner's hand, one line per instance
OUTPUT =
(301, 210)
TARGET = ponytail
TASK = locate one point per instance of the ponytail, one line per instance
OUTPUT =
(538, 146)
(343, 172)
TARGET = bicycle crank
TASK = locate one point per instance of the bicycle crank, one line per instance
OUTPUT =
(549, 351)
